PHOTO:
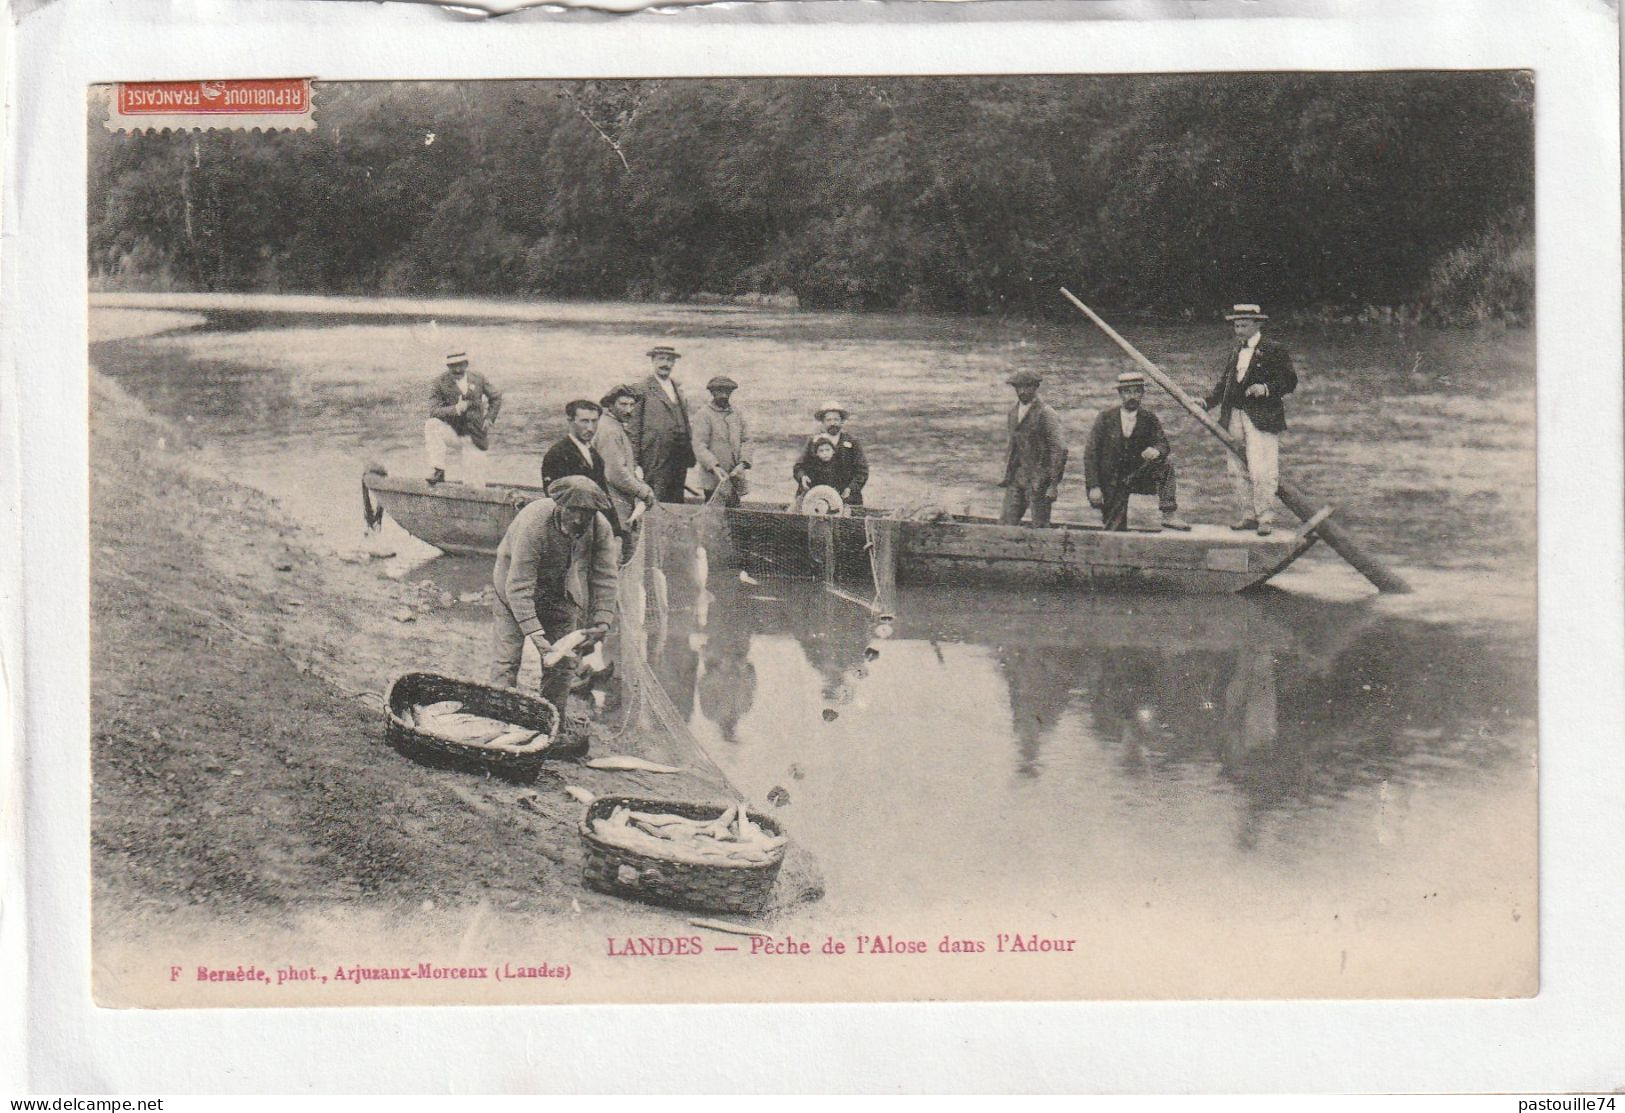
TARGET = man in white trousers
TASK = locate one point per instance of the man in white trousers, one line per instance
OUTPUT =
(463, 406)
(1254, 378)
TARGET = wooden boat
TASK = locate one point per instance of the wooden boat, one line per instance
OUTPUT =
(773, 539)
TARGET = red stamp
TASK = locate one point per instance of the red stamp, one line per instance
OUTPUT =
(264, 103)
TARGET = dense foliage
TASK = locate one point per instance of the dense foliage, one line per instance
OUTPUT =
(1337, 193)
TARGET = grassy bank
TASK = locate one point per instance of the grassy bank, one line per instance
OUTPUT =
(239, 769)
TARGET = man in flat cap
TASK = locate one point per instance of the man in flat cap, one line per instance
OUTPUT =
(660, 428)
(1128, 454)
(555, 572)
(1253, 379)
(722, 443)
(1036, 458)
(622, 481)
(832, 457)
(463, 406)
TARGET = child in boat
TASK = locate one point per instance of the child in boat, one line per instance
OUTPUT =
(817, 468)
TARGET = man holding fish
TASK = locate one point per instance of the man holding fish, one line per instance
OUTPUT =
(555, 580)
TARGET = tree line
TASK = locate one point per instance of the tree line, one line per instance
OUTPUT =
(1341, 194)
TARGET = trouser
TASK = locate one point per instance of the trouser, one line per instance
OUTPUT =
(439, 439)
(667, 480)
(559, 617)
(1017, 500)
(1253, 484)
(1156, 480)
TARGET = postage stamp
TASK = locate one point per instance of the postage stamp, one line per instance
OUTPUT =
(280, 104)
(672, 547)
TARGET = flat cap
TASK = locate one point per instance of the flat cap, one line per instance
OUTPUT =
(721, 382)
(1025, 378)
(622, 391)
(577, 492)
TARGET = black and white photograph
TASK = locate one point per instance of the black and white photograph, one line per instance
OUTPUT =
(788, 539)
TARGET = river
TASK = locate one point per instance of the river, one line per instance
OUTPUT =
(1235, 794)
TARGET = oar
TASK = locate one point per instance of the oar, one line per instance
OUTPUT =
(1294, 497)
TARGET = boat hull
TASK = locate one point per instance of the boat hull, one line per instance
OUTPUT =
(769, 540)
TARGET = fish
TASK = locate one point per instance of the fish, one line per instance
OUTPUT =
(621, 763)
(747, 578)
(444, 707)
(563, 646)
(662, 591)
(702, 567)
(578, 794)
(516, 737)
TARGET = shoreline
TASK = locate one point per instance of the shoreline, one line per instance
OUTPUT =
(240, 777)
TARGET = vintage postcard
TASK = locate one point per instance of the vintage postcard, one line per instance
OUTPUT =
(1050, 534)
(1032, 539)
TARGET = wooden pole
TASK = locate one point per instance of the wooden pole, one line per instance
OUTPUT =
(1292, 495)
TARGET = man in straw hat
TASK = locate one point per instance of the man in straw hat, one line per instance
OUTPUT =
(1128, 454)
(1254, 378)
(846, 469)
(660, 429)
(555, 573)
(622, 482)
(463, 406)
(1036, 458)
(722, 443)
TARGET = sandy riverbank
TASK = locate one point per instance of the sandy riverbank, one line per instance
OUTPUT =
(241, 783)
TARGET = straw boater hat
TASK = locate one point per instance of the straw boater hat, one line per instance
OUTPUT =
(1246, 313)
(454, 358)
(1025, 378)
(818, 414)
(664, 350)
(1130, 378)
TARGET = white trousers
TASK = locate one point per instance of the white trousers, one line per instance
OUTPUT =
(1254, 483)
(441, 442)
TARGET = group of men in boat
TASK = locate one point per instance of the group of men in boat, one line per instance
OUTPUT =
(1128, 451)
(558, 564)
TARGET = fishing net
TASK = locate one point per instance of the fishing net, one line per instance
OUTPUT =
(665, 594)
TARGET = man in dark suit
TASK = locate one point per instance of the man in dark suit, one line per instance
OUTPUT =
(1036, 458)
(576, 454)
(463, 406)
(660, 429)
(1128, 454)
(1253, 379)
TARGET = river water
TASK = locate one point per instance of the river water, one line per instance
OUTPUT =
(1310, 790)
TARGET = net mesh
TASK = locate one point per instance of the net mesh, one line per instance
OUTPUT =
(663, 598)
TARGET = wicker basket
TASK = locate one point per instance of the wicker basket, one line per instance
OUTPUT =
(735, 887)
(529, 712)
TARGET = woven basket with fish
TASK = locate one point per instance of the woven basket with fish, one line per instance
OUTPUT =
(458, 724)
(710, 857)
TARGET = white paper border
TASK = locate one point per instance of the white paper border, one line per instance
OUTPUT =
(1572, 1036)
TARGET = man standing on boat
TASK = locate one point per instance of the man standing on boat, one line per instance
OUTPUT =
(1254, 378)
(660, 429)
(463, 406)
(1128, 454)
(1036, 458)
(721, 443)
(622, 481)
(555, 573)
(846, 469)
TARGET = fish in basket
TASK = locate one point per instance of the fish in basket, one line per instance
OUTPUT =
(458, 724)
(710, 857)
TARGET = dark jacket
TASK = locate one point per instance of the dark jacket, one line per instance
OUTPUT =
(1109, 460)
(1036, 459)
(660, 431)
(483, 405)
(1272, 366)
(564, 458)
(848, 471)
